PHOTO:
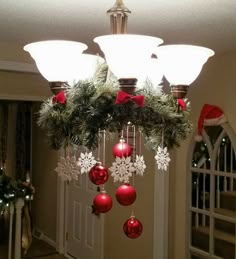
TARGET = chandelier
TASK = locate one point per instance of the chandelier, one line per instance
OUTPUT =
(129, 57)
(86, 106)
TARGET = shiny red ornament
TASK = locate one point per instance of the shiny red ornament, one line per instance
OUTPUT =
(102, 202)
(133, 228)
(122, 149)
(125, 194)
(98, 174)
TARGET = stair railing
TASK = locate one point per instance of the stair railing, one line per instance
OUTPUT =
(11, 210)
(218, 182)
(17, 208)
(204, 196)
(197, 203)
(225, 168)
(231, 168)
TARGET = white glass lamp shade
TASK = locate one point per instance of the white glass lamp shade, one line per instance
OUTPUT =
(153, 72)
(87, 65)
(182, 64)
(126, 54)
(57, 60)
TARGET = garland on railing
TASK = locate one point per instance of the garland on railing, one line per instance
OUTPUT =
(11, 190)
(76, 115)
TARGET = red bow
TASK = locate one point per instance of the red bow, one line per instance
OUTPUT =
(182, 104)
(59, 98)
(122, 98)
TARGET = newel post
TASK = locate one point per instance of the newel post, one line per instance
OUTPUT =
(19, 205)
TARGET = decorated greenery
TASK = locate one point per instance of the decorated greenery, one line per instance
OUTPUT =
(11, 190)
(76, 116)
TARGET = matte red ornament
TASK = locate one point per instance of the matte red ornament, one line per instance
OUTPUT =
(102, 202)
(125, 194)
(122, 149)
(59, 98)
(98, 174)
(133, 228)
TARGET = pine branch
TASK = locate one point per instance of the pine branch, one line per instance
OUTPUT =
(90, 107)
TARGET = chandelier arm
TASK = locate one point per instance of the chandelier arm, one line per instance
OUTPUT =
(179, 91)
(127, 85)
(57, 87)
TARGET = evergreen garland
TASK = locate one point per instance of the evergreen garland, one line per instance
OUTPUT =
(90, 107)
(11, 190)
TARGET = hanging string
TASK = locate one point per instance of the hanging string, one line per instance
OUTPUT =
(134, 142)
(103, 140)
(66, 151)
(104, 147)
(122, 133)
(134, 151)
(127, 132)
(140, 142)
(133, 158)
(122, 143)
(162, 138)
(99, 145)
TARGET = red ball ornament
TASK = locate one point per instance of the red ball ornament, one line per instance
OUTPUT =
(122, 149)
(125, 194)
(102, 202)
(98, 174)
(133, 228)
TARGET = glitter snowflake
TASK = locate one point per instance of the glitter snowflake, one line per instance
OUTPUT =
(162, 158)
(86, 161)
(67, 168)
(139, 165)
(122, 169)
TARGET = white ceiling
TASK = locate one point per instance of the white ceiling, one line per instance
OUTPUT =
(210, 23)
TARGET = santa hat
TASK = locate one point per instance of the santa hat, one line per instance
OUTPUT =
(210, 115)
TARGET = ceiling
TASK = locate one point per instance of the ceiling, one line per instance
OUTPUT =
(210, 23)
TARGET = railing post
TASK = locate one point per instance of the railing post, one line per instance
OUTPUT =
(10, 230)
(19, 205)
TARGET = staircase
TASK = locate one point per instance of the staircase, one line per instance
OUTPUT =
(224, 230)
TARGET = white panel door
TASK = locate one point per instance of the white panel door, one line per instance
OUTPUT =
(84, 229)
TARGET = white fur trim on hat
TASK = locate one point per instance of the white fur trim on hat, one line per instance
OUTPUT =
(215, 121)
(198, 138)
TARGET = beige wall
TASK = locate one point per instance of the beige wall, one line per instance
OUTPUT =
(20, 85)
(14, 52)
(216, 85)
(44, 178)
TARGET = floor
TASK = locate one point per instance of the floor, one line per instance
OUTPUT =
(52, 257)
(38, 250)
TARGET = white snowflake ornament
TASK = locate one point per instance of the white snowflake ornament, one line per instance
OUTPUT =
(67, 168)
(162, 158)
(139, 165)
(86, 161)
(122, 169)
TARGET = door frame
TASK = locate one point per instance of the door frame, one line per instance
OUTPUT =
(161, 214)
(61, 218)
